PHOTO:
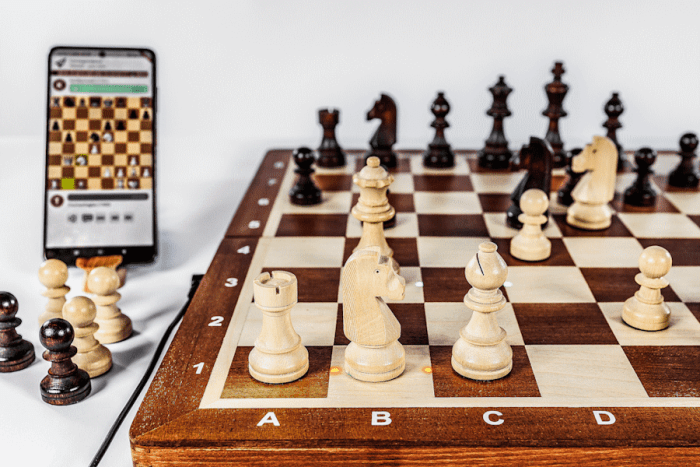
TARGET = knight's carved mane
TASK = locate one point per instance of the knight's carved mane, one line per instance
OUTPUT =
(599, 183)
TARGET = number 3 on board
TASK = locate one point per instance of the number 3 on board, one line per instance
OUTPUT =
(231, 282)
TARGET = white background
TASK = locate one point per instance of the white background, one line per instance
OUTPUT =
(238, 79)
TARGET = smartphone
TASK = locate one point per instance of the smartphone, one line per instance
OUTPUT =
(101, 154)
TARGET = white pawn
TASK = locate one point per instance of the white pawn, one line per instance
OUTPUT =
(530, 244)
(481, 353)
(646, 310)
(278, 355)
(92, 356)
(103, 282)
(53, 275)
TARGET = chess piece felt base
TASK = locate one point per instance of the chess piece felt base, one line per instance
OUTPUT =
(375, 363)
(589, 216)
(278, 369)
(439, 157)
(494, 160)
(645, 316)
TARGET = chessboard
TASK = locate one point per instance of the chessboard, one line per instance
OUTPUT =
(584, 388)
(100, 143)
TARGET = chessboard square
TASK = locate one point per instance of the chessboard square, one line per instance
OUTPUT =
(107, 149)
(584, 371)
(498, 228)
(447, 252)
(684, 251)
(133, 148)
(69, 113)
(405, 250)
(665, 162)
(660, 225)
(314, 285)
(445, 320)
(683, 329)
(616, 229)
(81, 125)
(414, 286)
(412, 387)
(411, 317)
(146, 183)
(446, 284)
(310, 252)
(94, 184)
(333, 182)
(563, 324)
(559, 255)
(661, 205)
(452, 225)
(695, 219)
(685, 281)
(447, 203)
(94, 160)
(332, 202)
(314, 384)
(54, 171)
(555, 284)
(312, 225)
(687, 203)
(406, 227)
(81, 172)
(520, 382)
(667, 371)
(442, 183)
(133, 125)
(460, 168)
(146, 139)
(120, 137)
(81, 148)
(95, 113)
(618, 284)
(120, 114)
(615, 252)
(495, 183)
(694, 309)
(495, 202)
(133, 102)
(401, 202)
(314, 322)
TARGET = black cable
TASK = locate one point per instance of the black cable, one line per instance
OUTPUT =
(196, 279)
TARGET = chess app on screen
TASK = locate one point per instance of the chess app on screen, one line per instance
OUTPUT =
(100, 154)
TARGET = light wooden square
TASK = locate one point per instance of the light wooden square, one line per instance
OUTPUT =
(81, 124)
(554, 284)
(584, 371)
(54, 171)
(683, 329)
(660, 225)
(55, 148)
(146, 183)
(81, 148)
(94, 184)
(685, 281)
(68, 113)
(604, 252)
(81, 172)
(314, 322)
(461, 167)
(120, 114)
(107, 149)
(449, 202)
(445, 320)
(120, 159)
(308, 252)
(120, 137)
(687, 203)
(497, 227)
(495, 183)
(133, 125)
(447, 252)
(332, 202)
(95, 113)
(133, 148)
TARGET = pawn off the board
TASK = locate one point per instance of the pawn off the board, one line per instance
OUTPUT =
(530, 244)
(66, 383)
(103, 282)
(15, 352)
(92, 356)
(53, 275)
(646, 310)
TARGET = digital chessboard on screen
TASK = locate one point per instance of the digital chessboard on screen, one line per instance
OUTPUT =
(583, 383)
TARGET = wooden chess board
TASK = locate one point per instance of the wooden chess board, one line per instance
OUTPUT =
(585, 387)
(97, 143)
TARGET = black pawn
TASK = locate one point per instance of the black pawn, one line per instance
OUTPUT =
(108, 126)
(330, 154)
(496, 155)
(613, 109)
(55, 126)
(304, 192)
(15, 352)
(564, 194)
(69, 138)
(685, 175)
(120, 125)
(133, 114)
(439, 154)
(146, 115)
(66, 383)
(556, 92)
(641, 193)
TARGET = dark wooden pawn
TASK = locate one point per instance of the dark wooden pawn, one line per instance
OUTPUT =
(66, 383)
(496, 155)
(536, 158)
(384, 138)
(15, 352)
(641, 193)
(556, 92)
(439, 154)
(330, 154)
(613, 109)
(685, 175)
(304, 192)
(564, 194)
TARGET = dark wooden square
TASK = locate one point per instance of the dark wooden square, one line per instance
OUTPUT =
(616, 229)
(93, 171)
(95, 124)
(69, 124)
(442, 183)
(559, 257)
(146, 148)
(107, 183)
(68, 172)
(452, 225)
(108, 160)
(684, 251)
(108, 113)
(120, 148)
(563, 324)
(240, 385)
(495, 202)
(312, 225)
(333, 182)
(405, 250)
(55, 136)
(520, 382)
(694, 309)
(133, 136)
(661, 205)
(68, 148)
(474, 167)
(314, 284)
(81, 112)
(667, 371)
(617, 284)
(446, 284)
(57, 112)
(695, 219)
(81, 136)
(411, 316)
(146, 124)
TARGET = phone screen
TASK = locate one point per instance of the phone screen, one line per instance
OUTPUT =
(100, 154)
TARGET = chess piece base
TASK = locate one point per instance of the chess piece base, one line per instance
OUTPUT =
(589, 216)
(438, 157)
(95, 363)
(498, 160)
(330, 160)
(483, 361)
(680, 179)
(481, 375)
(50, 390)
(375, 363)
(19, 362)
(279, 368)
(114, 330)
(645, 316)
(528, 250)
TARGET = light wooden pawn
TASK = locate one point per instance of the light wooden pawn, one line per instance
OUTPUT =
(92, 356)
(278, 355)
(646, 310)
(530, 244)
(481, 353)
(373, 207)
(53, 274)
(114, 326)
